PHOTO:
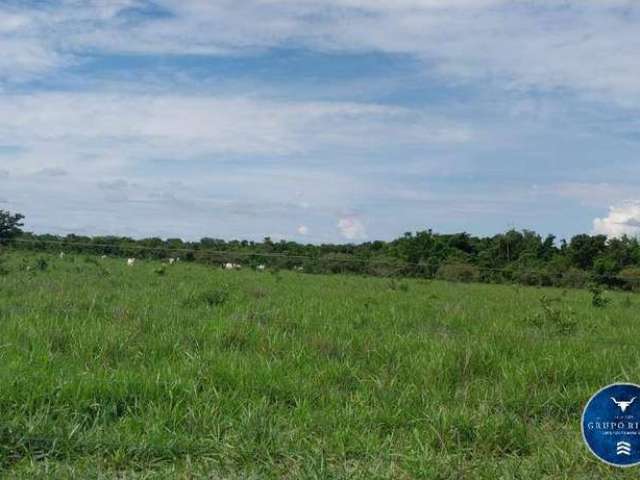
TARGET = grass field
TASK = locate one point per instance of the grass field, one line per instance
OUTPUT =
(192, 372)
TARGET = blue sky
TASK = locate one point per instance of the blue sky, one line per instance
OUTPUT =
(320, 121)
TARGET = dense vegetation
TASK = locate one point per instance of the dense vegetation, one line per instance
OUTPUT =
(182, 371)
(523, 257)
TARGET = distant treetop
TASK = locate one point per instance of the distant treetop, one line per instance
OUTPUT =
(10, 226)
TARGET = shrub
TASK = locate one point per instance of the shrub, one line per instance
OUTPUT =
(598, 300)
(458, 272)
(631, 277)
(340, 263)
(41, 264)
(533, 277)
(211, 298)
(574, 278)
(554, 316)
(396, 285)
(3, 266)
(384, 266)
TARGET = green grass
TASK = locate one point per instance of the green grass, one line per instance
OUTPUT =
(196, 372)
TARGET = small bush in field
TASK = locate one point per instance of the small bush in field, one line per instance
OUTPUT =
(574, 278)
(631, 277)
(598, 299)
(211, 298)
(41, 264)
(102, 270)
(458, 272)
(554, 316)
(385, 267)
(400, 286)
(3, 267)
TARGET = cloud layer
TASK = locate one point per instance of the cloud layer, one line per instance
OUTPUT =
(465, 114)
(589, 46)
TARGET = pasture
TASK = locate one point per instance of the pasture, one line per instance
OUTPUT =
(187, 371)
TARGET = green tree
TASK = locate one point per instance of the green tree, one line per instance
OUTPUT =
(9, 226)
(584, 249)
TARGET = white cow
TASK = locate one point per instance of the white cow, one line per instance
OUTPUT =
(61, 255)
(131, 262)
(228, 266)
(261, 268)
(103, 257)
(172, 261)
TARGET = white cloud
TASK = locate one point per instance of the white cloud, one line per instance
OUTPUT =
(352, 228)
(12, 22)
(303, 230)
(584, 46)
(622, 220)
(109, 133)
(593, 194)
(26, 59)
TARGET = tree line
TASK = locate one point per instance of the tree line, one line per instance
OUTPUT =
(512, 257)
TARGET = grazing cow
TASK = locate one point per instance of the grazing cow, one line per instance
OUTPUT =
(228, 266)
(103, 257)
(131, 262)
(172, 261)
(298, 269)
(261, 268)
